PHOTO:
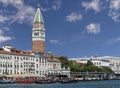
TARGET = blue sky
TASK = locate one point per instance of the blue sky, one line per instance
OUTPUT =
(74, 28)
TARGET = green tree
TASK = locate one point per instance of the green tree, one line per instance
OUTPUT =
(64, 61)
(108, 70)
(89, 63)
(77, 67)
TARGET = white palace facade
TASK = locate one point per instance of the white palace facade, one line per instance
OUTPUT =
(15, 63)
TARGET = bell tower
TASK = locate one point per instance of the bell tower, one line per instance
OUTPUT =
(38, 33)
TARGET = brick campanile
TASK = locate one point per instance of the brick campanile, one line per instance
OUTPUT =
(38, 33)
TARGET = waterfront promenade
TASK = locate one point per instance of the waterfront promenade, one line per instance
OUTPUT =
(87, 84)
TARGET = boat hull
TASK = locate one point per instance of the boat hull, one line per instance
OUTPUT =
(7, 82)
(44, 81)
(27, 80)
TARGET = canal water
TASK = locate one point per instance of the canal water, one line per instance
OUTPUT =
(89, 84)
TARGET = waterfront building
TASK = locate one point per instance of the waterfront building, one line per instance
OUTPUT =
(101, 63)
(65, 71)
(96, 61)
(15, 62)
(115, 63)
(54, 68)
(105, 61)
(41, 64)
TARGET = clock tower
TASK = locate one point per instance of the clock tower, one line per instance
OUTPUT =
(38, 33)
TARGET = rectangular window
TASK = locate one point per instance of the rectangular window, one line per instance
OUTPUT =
(10, 71)
(37, 60)
(15, 57)
(36, 34)
(36, 65)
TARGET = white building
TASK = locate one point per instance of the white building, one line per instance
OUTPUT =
(97, 61)
(54, 68)
(65, 71)
(41, 64)
(105, 61)
(101, 63)
(16, 63)
(114, 63)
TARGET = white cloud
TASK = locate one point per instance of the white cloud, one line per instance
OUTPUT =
(114, 11)
(24, 13)
(3, 38)
(3, 18)
(93, 28)
(113, 40)
(94, 5)
(21, 13)
(73, 17)
(56, 4)
(15, 3)
(54, 41)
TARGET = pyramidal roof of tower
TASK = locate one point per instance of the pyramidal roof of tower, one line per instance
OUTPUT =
(38, 17)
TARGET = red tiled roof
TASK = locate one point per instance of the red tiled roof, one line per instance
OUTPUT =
(16, 53)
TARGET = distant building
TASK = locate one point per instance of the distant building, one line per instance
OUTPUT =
(54, 68)
(105, 61)
(114, 63)
(101, 63)
(96, 61)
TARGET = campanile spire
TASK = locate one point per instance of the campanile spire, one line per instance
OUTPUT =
(38, 16)
(38, 33)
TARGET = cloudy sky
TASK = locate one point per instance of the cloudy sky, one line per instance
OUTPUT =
(74, 28)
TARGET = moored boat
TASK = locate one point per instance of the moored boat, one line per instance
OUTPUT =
(41, 81)
(44, 81)
(68, 81)
(7, 80)
(25, 80)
